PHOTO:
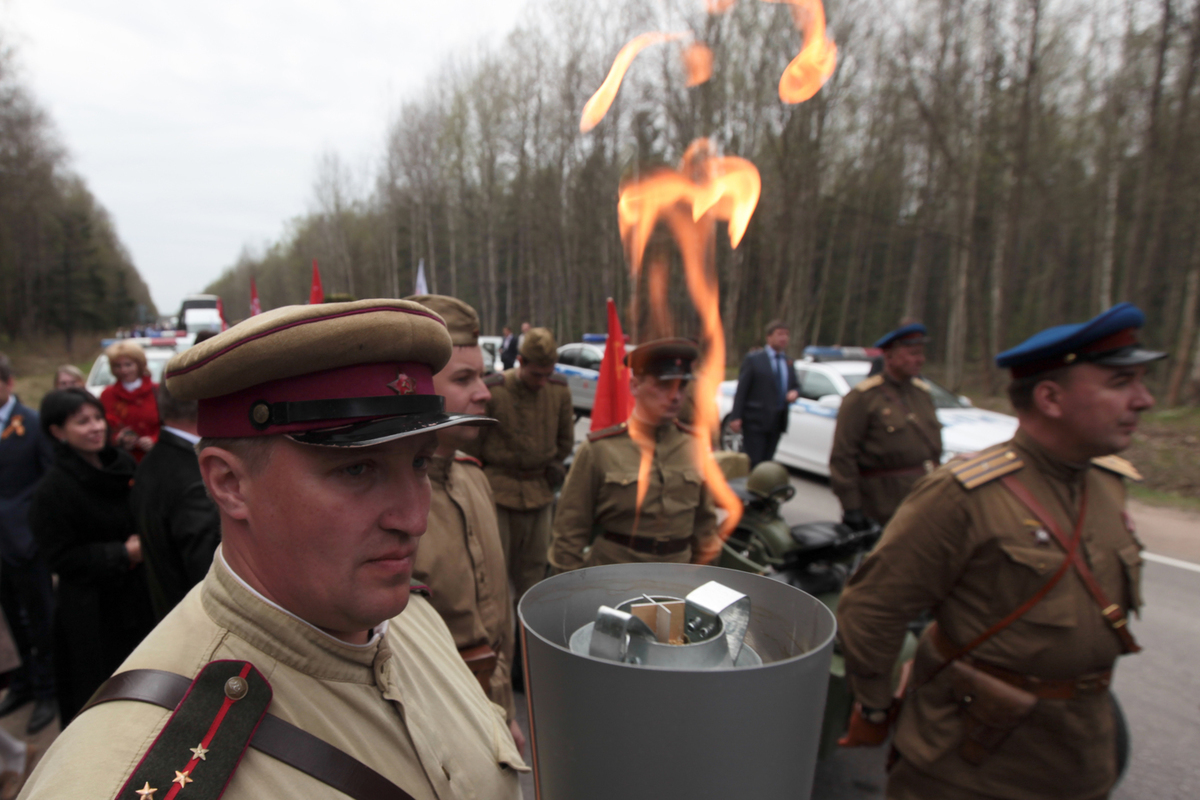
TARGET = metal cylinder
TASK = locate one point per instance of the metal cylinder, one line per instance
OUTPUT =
(602, 729)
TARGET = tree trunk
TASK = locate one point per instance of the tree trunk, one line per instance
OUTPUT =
(1187, 328)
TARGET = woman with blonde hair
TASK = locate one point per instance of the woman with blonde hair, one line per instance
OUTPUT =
(68, 376)
(129, 403)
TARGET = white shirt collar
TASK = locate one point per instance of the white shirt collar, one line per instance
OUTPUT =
(132, 386)
(191, 438)
(7, 408)
(378, 633)
(776, 353)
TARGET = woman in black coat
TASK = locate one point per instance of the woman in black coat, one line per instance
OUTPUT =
(81, 519)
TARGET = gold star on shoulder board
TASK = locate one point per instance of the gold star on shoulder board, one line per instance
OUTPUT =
(182, 778)
(199, 751)
(146, 792)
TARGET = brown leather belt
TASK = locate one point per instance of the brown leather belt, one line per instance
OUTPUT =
(649, 544)
(280, 740)
(923, 468)
(1046, 688)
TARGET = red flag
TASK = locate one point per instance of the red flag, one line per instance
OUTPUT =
(613, 401)
(221, 312)
(255, 306)
(316, 294)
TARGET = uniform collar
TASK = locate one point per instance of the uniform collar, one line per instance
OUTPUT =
(1046, 462)
(234, 604)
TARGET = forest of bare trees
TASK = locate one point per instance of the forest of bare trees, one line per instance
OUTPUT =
(991, 167)
(62, 268)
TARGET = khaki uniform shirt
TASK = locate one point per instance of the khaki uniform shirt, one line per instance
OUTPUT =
(601, 493)
(535, 430)
(460, 559)
(974, 555)
(404, 704)
(882, 425)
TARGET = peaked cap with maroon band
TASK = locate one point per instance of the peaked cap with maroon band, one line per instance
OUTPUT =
(338, 374)
(1109, 339)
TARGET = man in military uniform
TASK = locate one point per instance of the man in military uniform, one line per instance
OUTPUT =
(888, 435)
(1025, 555)
(290, 671)
(460, 558)
(636, 486)
(523, 455)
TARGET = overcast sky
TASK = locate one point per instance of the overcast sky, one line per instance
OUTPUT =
(198, 125)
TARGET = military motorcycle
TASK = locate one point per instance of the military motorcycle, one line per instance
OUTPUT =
(815, 557)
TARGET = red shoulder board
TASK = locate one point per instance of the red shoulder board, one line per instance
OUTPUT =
(202, 743)
(421, 589)
(683, 426)
(559, 379)
(605, 433)
(463, 458)
(495, 379)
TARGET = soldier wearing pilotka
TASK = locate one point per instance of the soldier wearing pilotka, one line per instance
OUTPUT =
(1027, 559)
(677, 520)
(306, 664)
(888, 435)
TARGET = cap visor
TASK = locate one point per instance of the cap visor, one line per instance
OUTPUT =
(1127, 357)
(675, 376)
(378, 431)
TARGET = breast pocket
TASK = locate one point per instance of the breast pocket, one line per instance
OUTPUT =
(1031, 568)
(682, 491)
(618, 491)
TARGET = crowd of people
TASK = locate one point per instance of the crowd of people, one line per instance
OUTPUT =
(250, 529)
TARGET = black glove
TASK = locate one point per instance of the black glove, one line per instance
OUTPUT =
(856, 520)
(556, 473)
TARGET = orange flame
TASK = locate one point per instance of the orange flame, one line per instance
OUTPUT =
(707, 188)
(815, 62)
(698, 61)
(598, 104)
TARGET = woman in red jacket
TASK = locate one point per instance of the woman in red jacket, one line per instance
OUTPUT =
(129, 404)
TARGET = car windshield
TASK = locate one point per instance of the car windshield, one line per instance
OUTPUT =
(942, 397)
(856, 376)
(156, 362)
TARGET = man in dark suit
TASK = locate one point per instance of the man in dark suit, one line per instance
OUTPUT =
(508, 348)
(178, 522)
(766, 386)
(26, 593)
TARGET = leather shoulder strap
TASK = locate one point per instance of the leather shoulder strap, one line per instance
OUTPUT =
(1111, 611)
(274, 737)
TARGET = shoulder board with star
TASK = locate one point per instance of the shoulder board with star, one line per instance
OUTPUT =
(996, 462)
(610, 431)
(923, 385)
(869, 383)
(463, 458)
(1119, 466)
(202, 743)
(557, 379)
(683, 426)
(495, 379)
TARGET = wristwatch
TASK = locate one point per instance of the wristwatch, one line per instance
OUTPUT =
(875, 716)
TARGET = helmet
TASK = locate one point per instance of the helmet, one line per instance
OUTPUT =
(770, 481)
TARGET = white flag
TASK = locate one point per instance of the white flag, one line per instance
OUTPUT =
(421, 287)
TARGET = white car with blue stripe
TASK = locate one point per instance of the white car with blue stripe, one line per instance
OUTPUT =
(813, 416)
(579, 363)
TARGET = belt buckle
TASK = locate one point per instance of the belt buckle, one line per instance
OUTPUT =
(1091, 685)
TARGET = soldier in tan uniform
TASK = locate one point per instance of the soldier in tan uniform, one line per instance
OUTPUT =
(676, 521)
(290, 671)
(888, 435)
(460, 558)
(1025, 556)
(523, 455)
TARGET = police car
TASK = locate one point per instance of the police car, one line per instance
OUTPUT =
(812, 417)
(579, 363)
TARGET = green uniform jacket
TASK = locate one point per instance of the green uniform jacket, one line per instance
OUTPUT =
(535, 430)
(964, 546)
(601, 493)
(882, 425)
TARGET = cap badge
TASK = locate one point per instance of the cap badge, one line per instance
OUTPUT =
(403, 384)
(260, 414)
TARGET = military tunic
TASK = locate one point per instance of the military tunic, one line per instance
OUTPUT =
(461, 561)
(887, 431)
(965, 547)
(600, 494)
(404, 704)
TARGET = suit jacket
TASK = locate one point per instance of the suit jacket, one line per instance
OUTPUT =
(178, 522)
(25, 456)
(757, 403)
(508, 351)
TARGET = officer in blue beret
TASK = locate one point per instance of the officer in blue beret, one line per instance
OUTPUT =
(888, 435)
(1030, 566)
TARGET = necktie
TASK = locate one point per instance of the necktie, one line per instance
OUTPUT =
(781, 372)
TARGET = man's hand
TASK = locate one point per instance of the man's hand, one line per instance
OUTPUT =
(133, 548)
(856, 520)
(518, 737)
(556, 473)
(792, 395)
(735, 425)
(861, 732)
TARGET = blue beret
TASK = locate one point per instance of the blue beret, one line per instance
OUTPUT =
(1109, 338)
(916, 331)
